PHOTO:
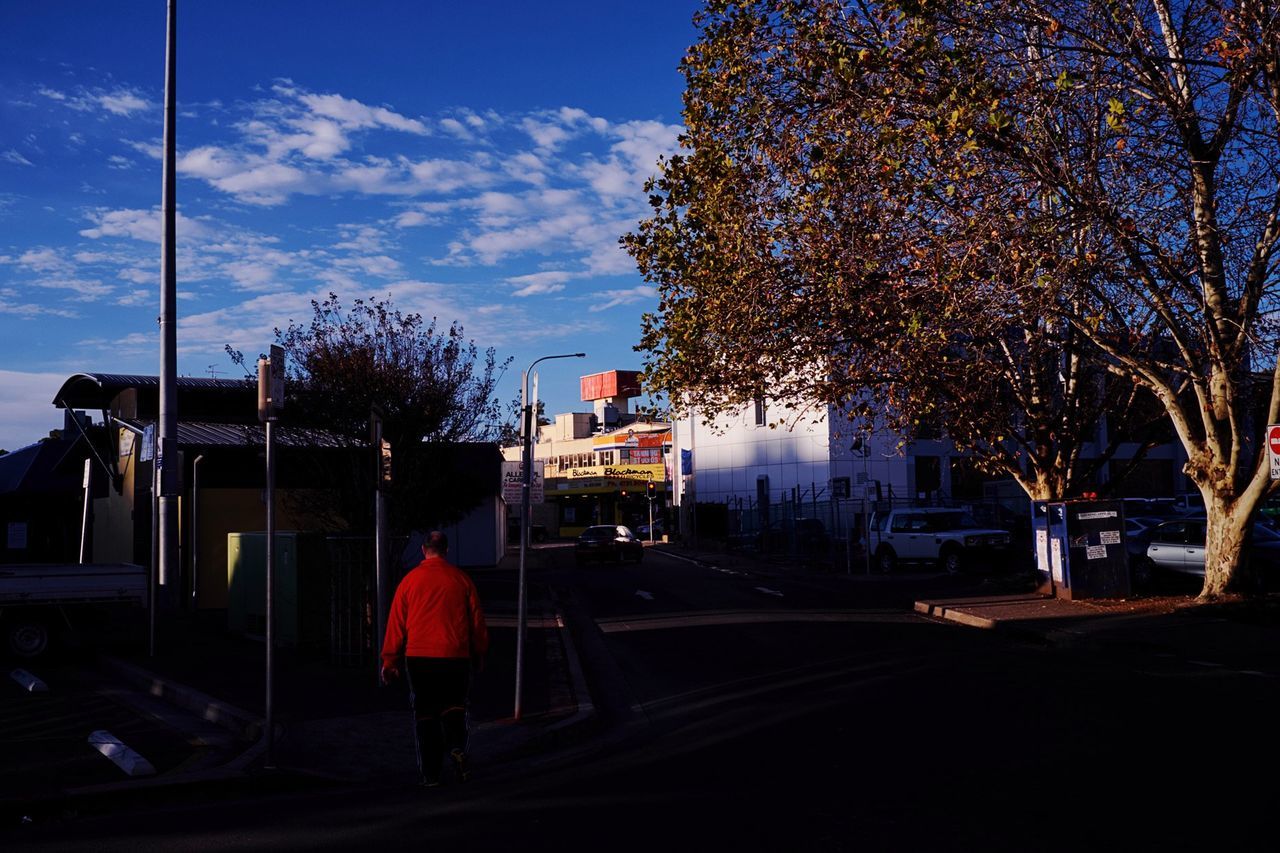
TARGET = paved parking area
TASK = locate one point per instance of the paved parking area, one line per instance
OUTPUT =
(45, 735)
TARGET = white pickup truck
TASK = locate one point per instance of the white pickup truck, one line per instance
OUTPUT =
(37, 597)
(948, 537)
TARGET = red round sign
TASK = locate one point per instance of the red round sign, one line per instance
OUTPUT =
(1273, 439)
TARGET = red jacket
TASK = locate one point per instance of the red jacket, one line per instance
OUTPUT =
(435, 614)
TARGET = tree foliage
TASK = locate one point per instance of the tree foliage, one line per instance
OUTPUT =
(432, 387)
(1009, 217)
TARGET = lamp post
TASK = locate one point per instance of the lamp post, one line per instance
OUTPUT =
(526, 478)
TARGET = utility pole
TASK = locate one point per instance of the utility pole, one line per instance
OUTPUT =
(528, 407)
(270, 403)
(166, 461)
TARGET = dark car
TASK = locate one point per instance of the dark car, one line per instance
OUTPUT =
(807, 535)
(612, 543)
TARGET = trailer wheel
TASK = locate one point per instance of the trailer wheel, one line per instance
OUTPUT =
(27, 637)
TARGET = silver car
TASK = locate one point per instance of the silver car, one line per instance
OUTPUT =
(1178, 546)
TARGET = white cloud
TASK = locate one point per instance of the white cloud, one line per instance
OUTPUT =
(115, 161)
(546, 135)
(12, 156)
(144, 225)
(122, 102)
(45, 260)
(28, 413)
(119, 101)
(539, 283)
(456, 128)
(354, 114)
(614, 298)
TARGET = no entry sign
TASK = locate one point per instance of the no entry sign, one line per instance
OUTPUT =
(1273, 449)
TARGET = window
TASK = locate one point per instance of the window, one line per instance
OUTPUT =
(760, 420)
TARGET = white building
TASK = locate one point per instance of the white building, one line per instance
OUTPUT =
(807, 459)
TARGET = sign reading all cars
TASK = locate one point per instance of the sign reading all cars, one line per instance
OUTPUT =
(512, 481)
(1273, 449)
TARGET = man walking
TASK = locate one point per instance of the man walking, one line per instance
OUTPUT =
(436, 632)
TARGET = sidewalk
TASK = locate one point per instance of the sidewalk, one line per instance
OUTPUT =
(1243, 634)
(337, 724)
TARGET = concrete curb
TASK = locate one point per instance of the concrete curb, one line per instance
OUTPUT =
(240, 722)
(953, 614)
(575, 728)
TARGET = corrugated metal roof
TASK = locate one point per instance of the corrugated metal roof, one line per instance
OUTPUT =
(203, 434)
(96, 390)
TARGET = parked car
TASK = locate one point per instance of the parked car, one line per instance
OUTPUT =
(659, 528)
(1178, 547)
(948, 537)
(809, 536)
(1138, 531)
(608, 543)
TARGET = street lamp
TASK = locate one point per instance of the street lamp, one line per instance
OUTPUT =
(526, 478)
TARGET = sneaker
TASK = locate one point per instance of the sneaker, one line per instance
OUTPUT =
(460, 767)
(428, 783)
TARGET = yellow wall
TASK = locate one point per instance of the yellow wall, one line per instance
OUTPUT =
(224, 511)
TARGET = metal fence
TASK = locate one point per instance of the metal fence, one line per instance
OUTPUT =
(351, 597)
(812, 526)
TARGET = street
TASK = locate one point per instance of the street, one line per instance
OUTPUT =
(745, 711)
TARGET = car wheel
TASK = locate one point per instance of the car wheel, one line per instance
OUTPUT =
(886, 560)
(951, 561)
(1143, 572)
(28, 638)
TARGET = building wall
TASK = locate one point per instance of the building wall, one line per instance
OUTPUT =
(733, 452)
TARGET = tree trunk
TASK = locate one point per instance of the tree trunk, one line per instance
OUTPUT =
(1225, 556)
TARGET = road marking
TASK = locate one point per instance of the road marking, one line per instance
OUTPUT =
(664, 621)
(125, 758)
(29, 682)
(1207, 663)
(647, 596)
(768, 591)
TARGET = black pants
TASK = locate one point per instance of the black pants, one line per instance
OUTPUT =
(438, 695)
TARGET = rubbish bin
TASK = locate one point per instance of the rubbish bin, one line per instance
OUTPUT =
(1094, 563)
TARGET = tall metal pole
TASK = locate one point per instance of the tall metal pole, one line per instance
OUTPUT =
(526, 479)
(84, 515)
(195, 530)
(271, 587)
(379, 539)
(167, 456)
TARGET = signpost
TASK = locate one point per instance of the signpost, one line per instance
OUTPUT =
(270, 404)
(1273, 449)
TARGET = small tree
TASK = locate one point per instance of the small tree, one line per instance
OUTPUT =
(433, 389)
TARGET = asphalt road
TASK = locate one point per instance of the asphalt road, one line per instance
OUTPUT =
(753, 713)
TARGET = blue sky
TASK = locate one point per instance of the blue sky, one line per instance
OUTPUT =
(471, 161)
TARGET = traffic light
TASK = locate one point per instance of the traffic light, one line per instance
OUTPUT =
(624, 493)
(652, 489)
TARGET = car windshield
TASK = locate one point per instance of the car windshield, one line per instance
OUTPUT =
(949, 520)
(600, 533)
(1263, 533)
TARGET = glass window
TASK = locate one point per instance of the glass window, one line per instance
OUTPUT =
(903, 523)
(759, 407)
(1171, 532)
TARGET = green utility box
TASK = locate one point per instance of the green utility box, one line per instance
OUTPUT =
(301, 587)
